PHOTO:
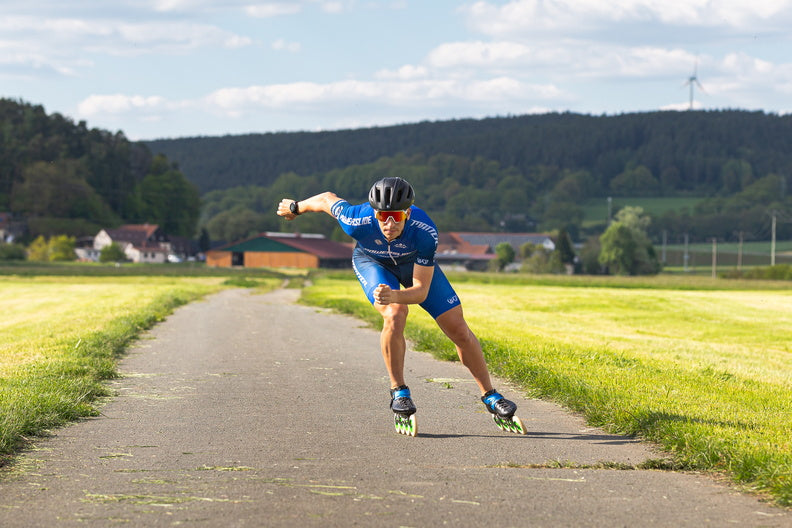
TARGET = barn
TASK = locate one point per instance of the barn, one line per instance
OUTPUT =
(282, 250)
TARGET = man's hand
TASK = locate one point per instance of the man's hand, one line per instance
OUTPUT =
(284, 210)
(383, 294)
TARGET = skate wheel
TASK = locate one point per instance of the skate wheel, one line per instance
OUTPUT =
(405, 425)
(510, 425)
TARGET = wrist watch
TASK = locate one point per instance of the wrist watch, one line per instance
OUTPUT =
(294, 208)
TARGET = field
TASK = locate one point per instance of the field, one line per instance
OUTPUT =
(62, 336)
(702, 367)
(704, 372)
(596, 211)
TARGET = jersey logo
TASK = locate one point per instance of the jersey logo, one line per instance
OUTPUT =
(425, 227)
(452, 300)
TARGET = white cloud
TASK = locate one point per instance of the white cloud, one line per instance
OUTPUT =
(404, 73)
(235, 102)
(524, 17)
(273, 9)
(477, 54)
(283, 45)
(98, 105)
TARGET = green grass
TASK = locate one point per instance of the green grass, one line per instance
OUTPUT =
(62, 337)
(596, 211)
(705, 372)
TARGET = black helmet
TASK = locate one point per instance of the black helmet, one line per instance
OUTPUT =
(391, 194)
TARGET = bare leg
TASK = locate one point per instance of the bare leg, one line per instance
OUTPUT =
(392, 342)
(453, 324)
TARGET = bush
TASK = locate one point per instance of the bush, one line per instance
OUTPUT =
(12, 252)
(112, 253)
(777, 272)
(57, 248)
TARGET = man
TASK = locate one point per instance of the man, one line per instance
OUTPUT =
(396, 244)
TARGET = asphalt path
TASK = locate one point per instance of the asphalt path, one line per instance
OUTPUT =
(248, 409)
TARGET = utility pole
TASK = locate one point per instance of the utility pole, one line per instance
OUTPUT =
(610, 209)
(773, 240)
(665, 241)
(714, 257)
(739, 253)
(686, 256)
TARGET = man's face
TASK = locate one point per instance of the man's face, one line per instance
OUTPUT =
(392, 222)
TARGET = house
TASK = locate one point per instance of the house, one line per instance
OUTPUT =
(140, 242)
(10, 229)
(282, 250)
(473, 251)
(517, 240)
(453, 251)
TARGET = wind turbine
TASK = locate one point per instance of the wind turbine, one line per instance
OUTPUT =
(692, 81)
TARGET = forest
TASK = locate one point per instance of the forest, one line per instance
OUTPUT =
(516, 173)
(533, 172)
(58, 177)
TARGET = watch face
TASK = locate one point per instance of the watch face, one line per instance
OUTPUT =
(293, 208)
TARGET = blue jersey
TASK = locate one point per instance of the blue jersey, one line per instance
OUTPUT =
(377, 261)
(416, 244)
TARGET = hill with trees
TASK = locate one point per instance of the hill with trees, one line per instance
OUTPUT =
(62, 178)
(669, 153)
(516, 173)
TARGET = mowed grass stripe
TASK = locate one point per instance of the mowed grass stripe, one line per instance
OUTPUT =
(706, 374)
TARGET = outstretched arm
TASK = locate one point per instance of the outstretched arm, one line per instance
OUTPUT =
(320, 203)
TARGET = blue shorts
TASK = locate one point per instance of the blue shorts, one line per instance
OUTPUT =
(372, 272)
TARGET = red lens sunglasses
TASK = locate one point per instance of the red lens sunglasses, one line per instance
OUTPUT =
(398, 216)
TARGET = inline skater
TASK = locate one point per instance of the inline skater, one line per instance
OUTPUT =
(396, 244)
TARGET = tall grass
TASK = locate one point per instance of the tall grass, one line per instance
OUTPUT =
(705, 373)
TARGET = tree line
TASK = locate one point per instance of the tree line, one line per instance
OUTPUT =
(63, 178)
(532, 172)
(704, 153)
(519, 173)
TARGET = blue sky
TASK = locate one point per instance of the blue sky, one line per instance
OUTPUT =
(177, 68)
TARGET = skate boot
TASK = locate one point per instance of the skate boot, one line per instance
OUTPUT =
(403, 411)
(502, 411)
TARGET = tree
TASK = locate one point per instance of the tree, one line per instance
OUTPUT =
(57, 248)
(635, 181)
(504, 255)
(38, 250)
(12, 251)
(61, 248)
(565, 251)
(204, 242)
(166, 198)
(625, 247)
(112, 253)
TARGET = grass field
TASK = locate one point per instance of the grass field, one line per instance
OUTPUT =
(596, 211)
(701, 366)
(706, 373)
(61, 337)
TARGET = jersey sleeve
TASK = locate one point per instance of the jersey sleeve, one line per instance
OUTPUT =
(353, 219)
(426, 243)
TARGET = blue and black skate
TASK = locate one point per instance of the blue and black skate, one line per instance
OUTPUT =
(403, 411)
(502, 411)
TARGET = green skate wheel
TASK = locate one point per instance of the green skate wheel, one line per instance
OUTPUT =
(510, 425)
(405, 425)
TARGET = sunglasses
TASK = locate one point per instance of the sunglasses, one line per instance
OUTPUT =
(397, 216)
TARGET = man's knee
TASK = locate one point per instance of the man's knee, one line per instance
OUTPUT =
(455, 327)
(394, 317)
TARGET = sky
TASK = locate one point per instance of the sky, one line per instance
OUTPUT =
(157, 69)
